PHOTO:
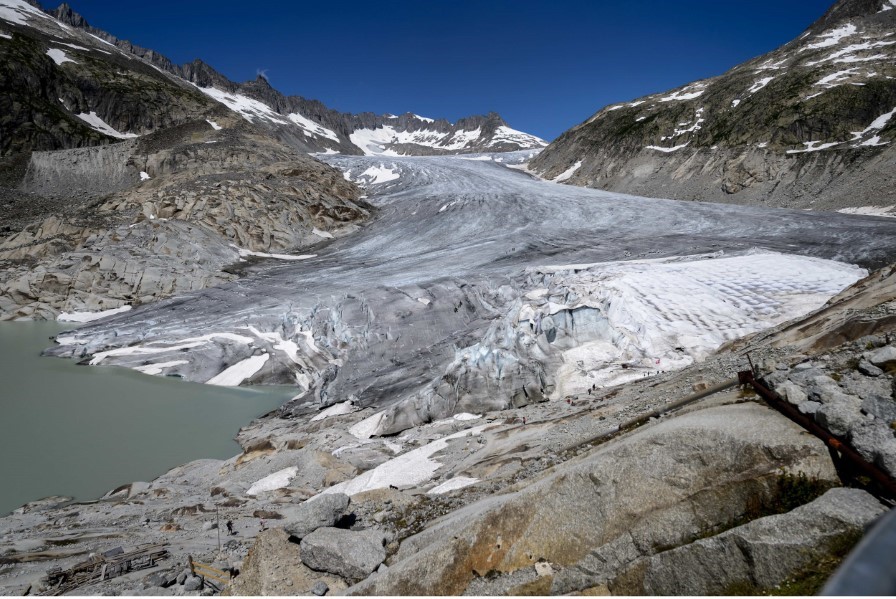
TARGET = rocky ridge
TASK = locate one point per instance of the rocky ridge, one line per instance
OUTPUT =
(808, 125)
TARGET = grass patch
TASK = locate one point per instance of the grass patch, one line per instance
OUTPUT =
(811, 579)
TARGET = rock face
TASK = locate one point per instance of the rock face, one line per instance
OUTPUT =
(765, 551)
(347, 553)
(595, 516)
(797, 127)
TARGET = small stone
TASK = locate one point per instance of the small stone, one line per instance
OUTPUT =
(544, 569)
(182, 577)
(320, 588)
(808, 407)
(206, 526)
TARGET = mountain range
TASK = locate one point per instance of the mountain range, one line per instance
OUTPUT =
(67, 84)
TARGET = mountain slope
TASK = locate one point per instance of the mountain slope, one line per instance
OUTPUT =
(122, 183)
(809, 124)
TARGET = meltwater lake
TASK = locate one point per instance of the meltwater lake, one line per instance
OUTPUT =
(81, 431)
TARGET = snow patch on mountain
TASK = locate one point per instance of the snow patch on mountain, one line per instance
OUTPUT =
(59, 56)
(100, 125)
(667, 150)
(90, 316)
(373, 142)
(832, 37)
(567, 173)
(247, 107)
(244, 253)
(848, 54)
(505, 134)
(689, 126)
(19, 12)
(695, 90)
(759, 85)
(835, 79)
(311, 128)
(411, 468)
(815, 146)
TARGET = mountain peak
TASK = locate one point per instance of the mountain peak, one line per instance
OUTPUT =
(65, 14)
(843, 10)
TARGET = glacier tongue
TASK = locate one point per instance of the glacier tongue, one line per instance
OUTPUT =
(480, 288)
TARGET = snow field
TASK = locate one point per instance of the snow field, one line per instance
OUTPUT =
(274, 481)
(90, 316)
(239, 372)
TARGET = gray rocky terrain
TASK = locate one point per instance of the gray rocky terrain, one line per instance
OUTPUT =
(805, 126)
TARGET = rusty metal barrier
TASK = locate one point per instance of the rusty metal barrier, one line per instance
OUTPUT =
(844, 455)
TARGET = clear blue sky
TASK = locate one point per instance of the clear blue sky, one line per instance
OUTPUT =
(543, 65)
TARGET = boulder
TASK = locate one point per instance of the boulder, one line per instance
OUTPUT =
(156, 579)
(869, 369)
(884, 357)
(658, 487)
(323, 510)
(347, 553)
(192, 583)
(763, 553)
(792, 392)
(274, 567)
(840, 413)
(877, 444)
